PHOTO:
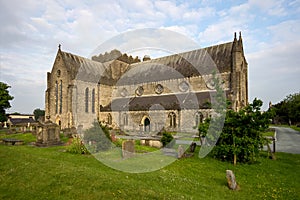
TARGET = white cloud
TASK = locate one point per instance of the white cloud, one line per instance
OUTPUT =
(272, 7)
(30, 32)
(274, 72)
(285, 31)
(232, 20)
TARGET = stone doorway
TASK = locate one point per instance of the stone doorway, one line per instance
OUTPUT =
(147, 124)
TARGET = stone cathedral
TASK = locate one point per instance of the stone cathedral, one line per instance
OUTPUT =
(171, 92)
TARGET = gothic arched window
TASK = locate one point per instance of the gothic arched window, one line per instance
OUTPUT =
(125, 119)
(56, 97)
(172, 118)
(60, 98)
(87, 100)
(198, 118)
(93, 101)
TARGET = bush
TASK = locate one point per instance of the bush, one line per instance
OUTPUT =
(166, 139)
(77, 147)
(118, 142)
(98, 135)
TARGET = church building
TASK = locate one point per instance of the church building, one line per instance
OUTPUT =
(172, 92)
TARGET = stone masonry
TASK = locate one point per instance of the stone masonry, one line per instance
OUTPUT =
(148, 96)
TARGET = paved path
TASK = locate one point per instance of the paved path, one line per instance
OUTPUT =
(288, 140)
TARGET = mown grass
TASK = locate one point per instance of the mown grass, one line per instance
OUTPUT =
(268, 134)
(26, 137)
(29, 172)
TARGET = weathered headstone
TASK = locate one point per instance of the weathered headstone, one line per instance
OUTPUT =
(231, 180)
(128, 149)
(193, 147)
(69, 132)
(180, 151)
(47, 134)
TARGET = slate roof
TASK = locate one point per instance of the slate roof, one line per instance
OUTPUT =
(83, 68)
(167, 102)
(198, 62)
(16, 121)
(187, 64)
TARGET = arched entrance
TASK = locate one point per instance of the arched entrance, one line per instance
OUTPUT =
(58, 121)
(147, 124)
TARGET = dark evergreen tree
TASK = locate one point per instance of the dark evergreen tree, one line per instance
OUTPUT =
(4, 100)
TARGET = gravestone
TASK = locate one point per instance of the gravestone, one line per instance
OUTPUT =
(128, 149)
(193, 147)
(47, 134)
(69, 132)
(231, 180)
(180, 151)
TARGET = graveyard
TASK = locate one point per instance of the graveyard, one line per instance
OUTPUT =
(29, 171)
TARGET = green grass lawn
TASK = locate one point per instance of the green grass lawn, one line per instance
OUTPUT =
(268, 134)
(29, 172)
(26, 137)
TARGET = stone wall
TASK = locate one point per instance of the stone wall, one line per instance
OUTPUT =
(134, 121)
(66, 99)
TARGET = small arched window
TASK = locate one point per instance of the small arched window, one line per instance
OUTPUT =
(87, 100)
(125, 119)
(198, 118)
(172, 118)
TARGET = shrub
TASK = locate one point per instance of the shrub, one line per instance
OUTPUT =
(98, 135)
(77, 147)
(118, 142)
(166, 139)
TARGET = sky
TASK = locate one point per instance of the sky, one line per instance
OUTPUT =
(31, 31)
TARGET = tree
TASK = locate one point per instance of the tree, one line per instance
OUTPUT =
(288, 110)
(241, 138)
(38, 113)
(4, 100)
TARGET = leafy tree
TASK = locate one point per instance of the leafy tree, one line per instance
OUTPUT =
(288, 110)
(241, 138)
(97, 138)
(15, 113)
(38, 113)
(4, 100)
